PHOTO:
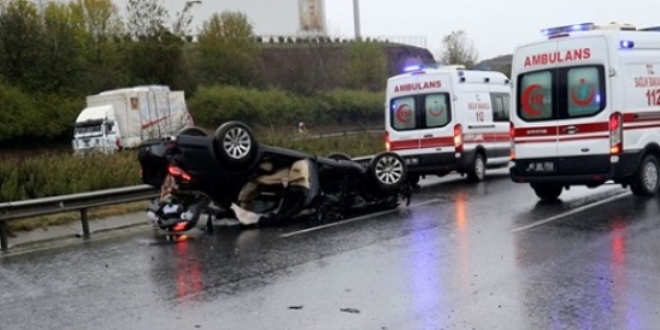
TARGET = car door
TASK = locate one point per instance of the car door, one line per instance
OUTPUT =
(499, 140)
(403, 122)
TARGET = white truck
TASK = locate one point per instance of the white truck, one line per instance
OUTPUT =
(122, 118)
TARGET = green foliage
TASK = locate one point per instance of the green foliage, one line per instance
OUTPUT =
(57, 174)
(226, 53)
(51, 60)
(35, 116)
(21, 36)
(62, 55)
(458, 49)
(213, 105)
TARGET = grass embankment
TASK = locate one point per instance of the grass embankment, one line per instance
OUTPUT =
(52, 174)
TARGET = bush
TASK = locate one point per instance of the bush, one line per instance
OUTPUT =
(213, 105)
(30, 117)
(60, 174)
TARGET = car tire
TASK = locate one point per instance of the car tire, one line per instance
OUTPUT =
(235, 144)
(339, 156)
(388, 171)
(192, 131)
(646, 180)
(547, 191)
(414, 179)
(477, 170)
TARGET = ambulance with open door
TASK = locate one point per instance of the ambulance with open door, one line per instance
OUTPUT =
(586, 109)
(448, 119)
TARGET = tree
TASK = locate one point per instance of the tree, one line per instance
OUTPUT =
(225, 51)
(146, 17)
(458, 49)
(103, 44)
(155, 55)
(366, 66)
(61, 58)
(21, 35)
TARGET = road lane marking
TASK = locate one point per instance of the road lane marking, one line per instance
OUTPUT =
(343, 222)
(571, 212)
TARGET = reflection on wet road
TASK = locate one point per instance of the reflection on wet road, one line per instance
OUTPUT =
(463, 256)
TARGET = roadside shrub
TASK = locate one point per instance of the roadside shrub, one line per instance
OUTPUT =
(26, 116)
(60, 174)
(274, 107)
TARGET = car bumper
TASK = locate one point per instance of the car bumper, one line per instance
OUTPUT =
(582, 170)
(439, 162)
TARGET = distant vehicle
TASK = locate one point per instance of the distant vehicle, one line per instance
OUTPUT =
(587, 109)
(448, 119)
(231, 175)
(123, 118)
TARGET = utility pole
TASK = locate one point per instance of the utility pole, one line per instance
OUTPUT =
(356, 18)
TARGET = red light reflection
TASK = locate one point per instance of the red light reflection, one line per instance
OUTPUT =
(188, 273)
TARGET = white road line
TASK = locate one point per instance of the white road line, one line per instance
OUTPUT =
(342, 222)
(571, 212)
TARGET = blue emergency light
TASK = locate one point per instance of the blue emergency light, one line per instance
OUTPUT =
(412, 68)
(557, 30)
(627, 44)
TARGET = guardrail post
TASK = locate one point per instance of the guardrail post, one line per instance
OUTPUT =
(4, 244)
(85, 223)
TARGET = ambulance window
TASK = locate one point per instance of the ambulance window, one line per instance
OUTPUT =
(437, 110)
(535, 96)
(402, 113)
(501, 107)
(584, 91)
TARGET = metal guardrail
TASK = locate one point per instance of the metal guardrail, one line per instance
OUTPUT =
(343, 133)
(70, 203)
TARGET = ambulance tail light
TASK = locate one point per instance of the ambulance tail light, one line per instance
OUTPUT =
(512, 136)
(387, 141)
(616, 134)
(458, 138)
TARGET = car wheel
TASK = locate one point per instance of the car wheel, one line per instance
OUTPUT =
(192, 131)
(388, 170)
(339, 156)
(477, 171)
(547, 191)
(646, 181)
(235, 144)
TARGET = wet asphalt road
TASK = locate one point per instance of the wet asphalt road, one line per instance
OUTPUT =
(463, 256)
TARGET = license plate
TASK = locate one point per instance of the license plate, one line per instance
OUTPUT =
(541, 167)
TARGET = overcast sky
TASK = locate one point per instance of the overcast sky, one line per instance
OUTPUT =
(495, 26)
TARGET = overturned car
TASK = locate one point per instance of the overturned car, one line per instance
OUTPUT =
(231, 175)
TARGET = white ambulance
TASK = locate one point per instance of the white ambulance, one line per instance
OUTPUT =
(586, 109)
(448, 119)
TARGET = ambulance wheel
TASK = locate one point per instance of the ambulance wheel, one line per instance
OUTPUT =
(646, 180)
(547, 191)
(477, 171)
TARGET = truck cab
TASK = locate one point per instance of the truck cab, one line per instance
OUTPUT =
(95, 130)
